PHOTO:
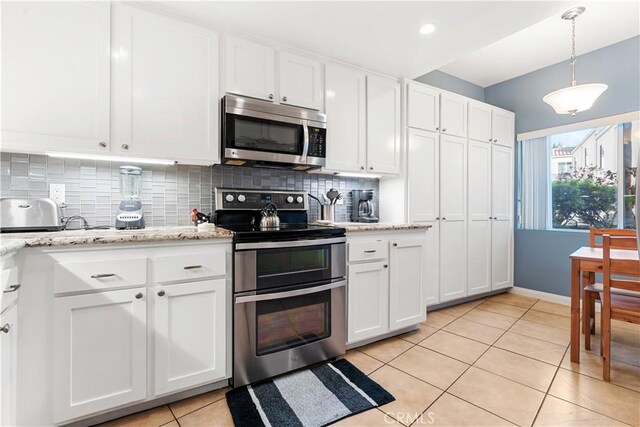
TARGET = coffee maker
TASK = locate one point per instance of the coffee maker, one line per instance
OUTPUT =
(362, 208)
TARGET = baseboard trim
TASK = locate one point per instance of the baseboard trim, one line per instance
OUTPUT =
(547, 296)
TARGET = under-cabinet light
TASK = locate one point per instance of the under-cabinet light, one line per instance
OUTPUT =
(357, 175)
(119, 159)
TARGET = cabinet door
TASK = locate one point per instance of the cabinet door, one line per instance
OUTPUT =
(55, 76)
(407, 280)
(367, 301)
(453, 114)
(423, 105)
(453, 218)
(190, 334)
(8, 366)
(423, 166)
(100, 350)
(479, 197)
(165, 87)
(503, 125)
(249, 69)
(432, 251)
(383, 125)
(480, 121)
(345, 106)
(502, 227)
(300, 81)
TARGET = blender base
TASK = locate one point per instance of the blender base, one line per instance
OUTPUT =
(130, 215)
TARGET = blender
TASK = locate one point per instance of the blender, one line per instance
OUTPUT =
(130, 213)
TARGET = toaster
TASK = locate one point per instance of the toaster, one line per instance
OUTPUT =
(29, 215)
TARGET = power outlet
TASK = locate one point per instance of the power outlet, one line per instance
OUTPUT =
(57, 192)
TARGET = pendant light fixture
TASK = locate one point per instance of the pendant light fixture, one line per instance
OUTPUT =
(575, 98)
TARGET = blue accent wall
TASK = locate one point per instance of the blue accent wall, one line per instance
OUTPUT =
(542, 256)
(453, 84)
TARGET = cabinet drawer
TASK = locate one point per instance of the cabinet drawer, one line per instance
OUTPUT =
(190, 266)
(100, 273)
(370, 250)
(9, 287)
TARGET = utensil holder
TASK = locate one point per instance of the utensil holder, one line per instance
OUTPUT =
(328, 212)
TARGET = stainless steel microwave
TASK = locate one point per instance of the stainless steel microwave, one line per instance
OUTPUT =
(260, 133)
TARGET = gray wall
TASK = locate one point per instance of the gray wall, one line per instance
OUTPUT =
(453, 84)
(541, 256)
(169, 192)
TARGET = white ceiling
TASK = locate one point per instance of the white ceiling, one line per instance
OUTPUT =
(382, 35)
(549, 42)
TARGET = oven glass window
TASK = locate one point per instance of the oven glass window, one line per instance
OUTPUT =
(286, 323)
(289, 266)
(250, 133)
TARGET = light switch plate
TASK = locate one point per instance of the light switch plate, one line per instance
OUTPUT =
(57, 192)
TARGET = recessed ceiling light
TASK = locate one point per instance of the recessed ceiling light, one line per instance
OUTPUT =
(427, 29)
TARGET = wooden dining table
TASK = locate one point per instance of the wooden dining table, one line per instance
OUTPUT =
(585, 263)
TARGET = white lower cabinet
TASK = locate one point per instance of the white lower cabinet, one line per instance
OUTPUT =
(100, 352)
(368, 300)
(386, 293)
(8, 365)
(190, 328)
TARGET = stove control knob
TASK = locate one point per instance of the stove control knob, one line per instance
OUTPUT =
(229, 198)
(299, 199)
(289, 199)
(241, 198)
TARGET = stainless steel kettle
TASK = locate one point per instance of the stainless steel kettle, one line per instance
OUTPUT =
(270, 218)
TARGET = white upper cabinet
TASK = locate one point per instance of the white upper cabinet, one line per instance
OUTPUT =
(249, 69)
(503, 126)
(55, 76)
(300, 81)
(346, 118)
(383, 125)
(453, 114)
(423, 107)
(423, 175)
(165, 94)
(480, 121)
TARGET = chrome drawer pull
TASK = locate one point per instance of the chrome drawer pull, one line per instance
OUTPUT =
(6, 328)
(12, 288)
(192, 267)
(102, 276)
(370, 252)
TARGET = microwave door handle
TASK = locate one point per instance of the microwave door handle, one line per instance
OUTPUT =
(305, 148)
(296, 293)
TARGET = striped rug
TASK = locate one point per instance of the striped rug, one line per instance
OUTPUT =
(311, 397)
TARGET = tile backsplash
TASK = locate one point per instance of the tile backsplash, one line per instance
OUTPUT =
(168, 192)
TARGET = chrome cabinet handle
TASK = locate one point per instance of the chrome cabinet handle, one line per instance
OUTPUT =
(370, 167)
(437, 218)
(6, 328)
(284, 98)
(12, 288)
(362, 167)
(125, 146)
(386, 265)
(395, 244)
(438, 128)
(102, 276)
(161, 293)
(444, 129)
(444, 219)
(102, 144)
(192, 267)
(139, 295)
(270, 96)
(370, 251)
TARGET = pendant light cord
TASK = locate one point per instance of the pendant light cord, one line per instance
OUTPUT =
(573, 51)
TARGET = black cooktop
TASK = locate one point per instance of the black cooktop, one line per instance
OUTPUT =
(287, 231)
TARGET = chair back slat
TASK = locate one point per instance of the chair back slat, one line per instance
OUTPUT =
(628, 268)
(620, 239)
(629, 285)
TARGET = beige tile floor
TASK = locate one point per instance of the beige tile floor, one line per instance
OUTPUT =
(499, 361)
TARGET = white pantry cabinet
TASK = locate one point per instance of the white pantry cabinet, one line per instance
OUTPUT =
(165, 92)
(387, 275)
(491, 124)
(300, 81)
(368, 300)
(55, 76)
(100, 352)
(502, 213)
(383, 125)
(8, 365)
(345, 106)
(190, 334)
(250, 69)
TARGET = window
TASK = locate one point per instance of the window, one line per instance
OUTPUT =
(561, 189)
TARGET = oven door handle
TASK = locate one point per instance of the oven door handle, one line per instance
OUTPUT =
(290, 243)
(288, 294)
(305, 148)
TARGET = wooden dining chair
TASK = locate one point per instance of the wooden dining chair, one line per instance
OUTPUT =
(616, 306)
(620, 239)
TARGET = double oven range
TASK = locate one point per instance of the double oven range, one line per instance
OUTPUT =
(289, 285)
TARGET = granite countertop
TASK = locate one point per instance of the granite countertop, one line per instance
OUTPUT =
(377, 226)
(12, 242)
